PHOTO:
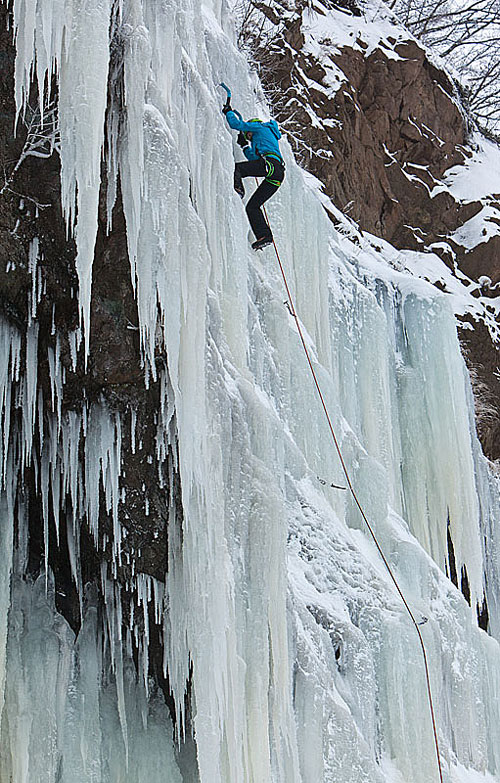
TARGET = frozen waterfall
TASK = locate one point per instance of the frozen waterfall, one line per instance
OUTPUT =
(275, 610)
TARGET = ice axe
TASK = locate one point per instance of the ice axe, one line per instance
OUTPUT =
(227, 104)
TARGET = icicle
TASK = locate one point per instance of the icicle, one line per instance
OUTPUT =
(24, 27)
(6, 542)
(30, 390)
(40, 419)
(136, 68)
(74, 339)
(35, 272)
(133, 427)
(10, 342)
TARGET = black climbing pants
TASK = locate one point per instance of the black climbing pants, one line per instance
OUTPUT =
(274, 172)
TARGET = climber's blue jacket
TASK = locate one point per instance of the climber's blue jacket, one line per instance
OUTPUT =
(265, 136)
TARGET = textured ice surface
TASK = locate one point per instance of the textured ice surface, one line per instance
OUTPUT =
(64, 724)
(276, 606)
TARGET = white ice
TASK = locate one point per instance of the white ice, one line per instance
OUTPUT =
(276, 607)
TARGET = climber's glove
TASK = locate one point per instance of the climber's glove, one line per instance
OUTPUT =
(226, 108)
(242, 140)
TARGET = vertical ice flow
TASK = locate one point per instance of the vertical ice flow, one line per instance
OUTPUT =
(277, 614)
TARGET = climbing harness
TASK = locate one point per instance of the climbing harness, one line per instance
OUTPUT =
(270, 170)
(291, 308)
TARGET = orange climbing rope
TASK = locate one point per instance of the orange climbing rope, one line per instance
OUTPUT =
(291, 307)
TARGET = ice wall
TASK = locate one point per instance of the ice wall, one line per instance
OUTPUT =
(276, 608)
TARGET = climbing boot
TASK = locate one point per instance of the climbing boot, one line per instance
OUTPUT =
(259, 244)
(238, 186)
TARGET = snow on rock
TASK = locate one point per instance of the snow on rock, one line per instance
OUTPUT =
(276, 608)
(325, 26)
(479, 176)
(480, 228)
(477, 179)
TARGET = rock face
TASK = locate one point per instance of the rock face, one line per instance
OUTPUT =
(37, 272)
(379, 125)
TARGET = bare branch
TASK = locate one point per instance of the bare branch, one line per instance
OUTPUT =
(42, 138)
(467, 35)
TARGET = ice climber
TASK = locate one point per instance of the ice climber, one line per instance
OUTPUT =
(260, 144)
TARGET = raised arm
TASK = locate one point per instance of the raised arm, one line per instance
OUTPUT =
(235, 121)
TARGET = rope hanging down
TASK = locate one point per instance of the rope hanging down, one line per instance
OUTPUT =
(293, 313)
